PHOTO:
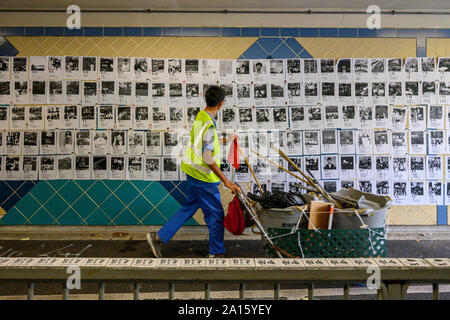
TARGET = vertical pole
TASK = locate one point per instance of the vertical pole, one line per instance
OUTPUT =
(101, 291)
(207, 291)
(242, 291)
(30, 290)
(276, 291)
(435, 291)
(346, 291)
(171, 291)
(65, 291)
(311, 291)
(136, 290)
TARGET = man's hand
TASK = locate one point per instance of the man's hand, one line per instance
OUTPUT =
(234, 188)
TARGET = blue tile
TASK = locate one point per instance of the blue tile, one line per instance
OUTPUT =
(171, 31)
(2, 31)
(34, 31)
(250, 32)
(309, 32)
(426, 32)
(295, 45)
(269, 44)
(7, 49)
(112, 31)
(152, 31)
(407, 33)
(10, 202)
(25, 188)
(231, 32)
(442, 215)
(290, 32)
(192, 32)
(328, 32)
(15, 31)
(421, 52)
(443, 33)
(211, 32)
(93, 31)
(73, 32)
(387, 33)
(54, 31)
(255, 52)
(13, 217)
(283, 52)
(367, 33)
(274, 32)
(348, 32)
(132, 31)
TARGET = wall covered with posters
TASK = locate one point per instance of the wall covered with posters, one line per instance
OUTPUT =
(378, 140)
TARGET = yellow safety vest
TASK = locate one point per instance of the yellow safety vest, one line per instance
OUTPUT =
(193, 163)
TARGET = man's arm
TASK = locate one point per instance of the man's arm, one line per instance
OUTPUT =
(207, 156)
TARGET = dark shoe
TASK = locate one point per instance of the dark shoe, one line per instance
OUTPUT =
(212, 256)
(155, 243)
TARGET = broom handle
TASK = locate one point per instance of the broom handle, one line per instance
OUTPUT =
(251, 170)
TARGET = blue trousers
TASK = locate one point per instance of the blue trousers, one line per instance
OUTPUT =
(208, 199)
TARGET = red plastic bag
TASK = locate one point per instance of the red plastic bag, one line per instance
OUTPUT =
(234, 221)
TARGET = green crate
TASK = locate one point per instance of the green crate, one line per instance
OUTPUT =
(338, 243)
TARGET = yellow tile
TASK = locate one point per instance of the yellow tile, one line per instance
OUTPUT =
(438, 47)
(412, 215)
(359, 47)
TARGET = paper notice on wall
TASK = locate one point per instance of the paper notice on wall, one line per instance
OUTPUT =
(100, 142)
(83, 167)
(30, 142)
(30, 168)
(65, 141)
(152, 170)
(117, 167)
(100, 167)
(47, 168)
(89, 68)
(329, 141)
(48, 142)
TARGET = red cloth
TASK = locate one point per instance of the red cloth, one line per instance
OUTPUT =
(233, 154)
(234, 221)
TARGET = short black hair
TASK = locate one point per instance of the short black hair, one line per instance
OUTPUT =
(214, 95)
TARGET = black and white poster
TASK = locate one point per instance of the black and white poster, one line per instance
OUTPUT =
(5, 68)
(294, 142)
(90, 92)
(13, 167)
(17, 117)
(436, 142)
(20, 68)
(209, 70)
(297, 117)
(311, 142)
(192, 94)
(171, 142)
(395, 69)
(347, 167)
(55, 92)
(169, 169)
(328, 92)
(226, 71)
(83, 167)
(123, 117)
(83, 142)
(417, 117)
(417, 142)
(399, 143)
(100, 142)
(72, 67)
(53, 117)
(417, 192)
(260, 94)
(100, 169)
(346, 141)
(383, 167)
(312, 166)
(400, 192)
(443, 69)
(153, 144)
(435, 193)
(330, 167)
(350, 116)
(366, 186)
(191, 114)
(87, 117)
(327, 70)
(344, 69)
(159, 118)
(298, 161)
(20, 94)
(329, 141)
(247, 118)
(436, 118)
(135, 168)
(47, 168)
(34, 117)
(364, 142)
(398, 118)
(294, 93)
(117, 167)
(106, 68)
(38, 68)
(264, 119)
(347, 184)
(118, 142)
(382, 144)
(382, 119)
(400, 168)
(378, 70)
(366, 116)
(362, 92)
(277, 93)
(141, 117)
(176, 94)
(65, 141)
(311, 93)
(136, 142)
(14, 142)
(108, 91)
(152, 171)
(280, 118)
(360, 69)
(4, 118)
(428, 92)
(175, 69)
(365, 169)
(417, 168)
(260, 70)
(277, 69)
(379, 94)
(72, 91)
(243, 72)
(314, 116)
(177, 118)
(310, 70)
(106, 117)
(125, 94)
(159, 71)
(30, 168)
(70, 118)
(428, 69)
(229, 118)
(141, 92)
(30, 142)
(125, 69)
(435, 167)
(412, 92)
(89, 68)
(192, 70)
(444, 92)
(5, 92)
(411, 69)
(294, 70)
(38, 92)
(160, 94)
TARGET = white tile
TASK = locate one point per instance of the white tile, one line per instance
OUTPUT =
(169, 263)
(413, 262)
(217, 263)
(193, 263)
(145, 263)
(22, 262)
(69, 262)
(48, 261)
(291, 263)
(242, 263)
(317, 262)
(363, 262)
(267, 263)
(5, 261)
(340, 262)
(388, 262)
(120, 262)
(94, 262)
(439, 262)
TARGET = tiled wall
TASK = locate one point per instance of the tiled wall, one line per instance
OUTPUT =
(108, 202)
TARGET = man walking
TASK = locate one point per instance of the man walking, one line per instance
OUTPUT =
(201, 163)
